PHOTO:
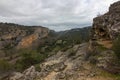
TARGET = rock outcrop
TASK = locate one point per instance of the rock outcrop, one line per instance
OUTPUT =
(107, 26)
(105, 29)
(13, 35)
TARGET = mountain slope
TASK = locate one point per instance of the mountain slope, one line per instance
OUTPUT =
(86, 61)
(20, 44)
(64, 56)
(74, 35)
(17, 35)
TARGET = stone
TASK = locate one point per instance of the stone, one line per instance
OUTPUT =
(16, 76)
(59, 67)
(107, 26)
(60, 75)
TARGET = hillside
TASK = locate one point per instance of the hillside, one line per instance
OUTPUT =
(90, 53)
(36, 42)
(13, 35)
(77, 35)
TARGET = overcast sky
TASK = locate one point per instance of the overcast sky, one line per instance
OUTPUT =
(54, 14)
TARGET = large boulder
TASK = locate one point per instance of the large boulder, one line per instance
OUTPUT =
(107, 26)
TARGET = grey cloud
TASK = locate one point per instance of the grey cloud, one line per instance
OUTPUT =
(55, 14)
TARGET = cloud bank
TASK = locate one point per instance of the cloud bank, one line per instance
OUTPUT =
(54, 14)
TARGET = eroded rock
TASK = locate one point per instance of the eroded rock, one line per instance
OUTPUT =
(107, 26)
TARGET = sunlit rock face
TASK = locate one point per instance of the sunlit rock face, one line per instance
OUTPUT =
(39, 33)
(107, 26)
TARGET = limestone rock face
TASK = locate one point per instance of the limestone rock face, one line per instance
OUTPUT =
(13, 35)
(38, 34)
(107, 26)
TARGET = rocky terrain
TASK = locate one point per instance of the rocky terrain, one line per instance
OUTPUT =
(107, 26)
(73, 64)
(106, 29)
(67, 59)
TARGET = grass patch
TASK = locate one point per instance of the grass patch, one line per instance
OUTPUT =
(107, 74)
(101, 48)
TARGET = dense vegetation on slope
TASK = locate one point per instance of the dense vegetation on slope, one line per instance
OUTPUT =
(75, 36)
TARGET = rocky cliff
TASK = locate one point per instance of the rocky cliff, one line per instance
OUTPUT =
(107, 26)
(13, 35)
(105, 30)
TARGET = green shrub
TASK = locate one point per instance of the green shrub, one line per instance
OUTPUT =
(5, 66)
(64, 49)
(116, 47)
(57, 48)
(72, 53)
(37, 67)
(28, 59)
